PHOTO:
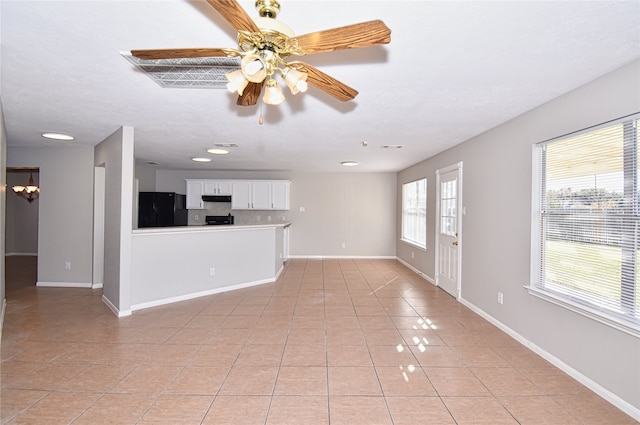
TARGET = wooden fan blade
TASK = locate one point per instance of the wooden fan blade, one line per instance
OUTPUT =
(325, 82)
(178, 53)
(250, 95)
(234, 14)
(365, 34)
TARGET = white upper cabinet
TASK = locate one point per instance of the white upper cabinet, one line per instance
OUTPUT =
(217, 187)
(245, 194)
(260, 195)
(280, 195)
(195, 190)
(241, 195)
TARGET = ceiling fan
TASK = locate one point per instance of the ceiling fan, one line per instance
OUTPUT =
(264, 43)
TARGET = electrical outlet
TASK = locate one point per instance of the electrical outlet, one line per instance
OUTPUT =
(268, 218)
(258, 218)
(196, 217)
(212, 271)
(413, 254)
(344, 245)
(500, 298)
(67, 265)
(301, 209)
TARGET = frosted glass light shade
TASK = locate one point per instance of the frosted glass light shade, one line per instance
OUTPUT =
(237, 82)
(296, 81)
(253, 68)
(272, 93)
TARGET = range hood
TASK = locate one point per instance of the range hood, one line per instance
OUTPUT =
(216, 198)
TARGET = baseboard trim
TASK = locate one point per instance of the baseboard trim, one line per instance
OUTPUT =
(341, 257)
(418, 272)
(64, 285)
(112, 307)
(156, 303)
(96, 285)
(612, 398)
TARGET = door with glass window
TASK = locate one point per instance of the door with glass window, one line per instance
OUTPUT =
(448, 227)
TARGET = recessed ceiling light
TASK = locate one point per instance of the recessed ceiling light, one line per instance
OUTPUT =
(57, 136)
(152, 163)
(218, 151)
(226, 145)
(392, 146)
(201, 159)
(349, 163)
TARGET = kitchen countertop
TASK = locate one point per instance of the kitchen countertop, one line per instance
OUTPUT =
(207, 227)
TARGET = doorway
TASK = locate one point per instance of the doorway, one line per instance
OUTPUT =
(449, 228)
(21, 230)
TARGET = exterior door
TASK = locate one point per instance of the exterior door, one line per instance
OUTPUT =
(448, 225)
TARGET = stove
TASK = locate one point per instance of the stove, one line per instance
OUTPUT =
(217, 220)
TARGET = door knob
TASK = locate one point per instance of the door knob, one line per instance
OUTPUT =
(455, 243)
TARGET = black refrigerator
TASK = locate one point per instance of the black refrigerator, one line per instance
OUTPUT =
(161, 209)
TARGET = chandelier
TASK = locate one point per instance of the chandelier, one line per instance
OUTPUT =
(263, 54)
(30, 191)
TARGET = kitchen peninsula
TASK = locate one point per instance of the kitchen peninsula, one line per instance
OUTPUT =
(178, 263)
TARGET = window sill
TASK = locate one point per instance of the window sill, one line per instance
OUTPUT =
(408, 242)
(609, 320)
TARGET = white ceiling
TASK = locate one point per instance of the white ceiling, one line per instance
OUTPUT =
(453, 69)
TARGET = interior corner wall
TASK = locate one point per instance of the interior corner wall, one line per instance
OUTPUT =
(115, 154)
(64, 217)
(496, 234)
(146, 175)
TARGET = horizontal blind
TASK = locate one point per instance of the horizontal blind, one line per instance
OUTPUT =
(589, 221)
(414, 212)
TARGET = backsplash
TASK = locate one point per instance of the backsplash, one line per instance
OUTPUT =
(197, 217)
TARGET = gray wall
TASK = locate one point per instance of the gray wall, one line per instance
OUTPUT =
(3, 196)
(357, 209)
(65, 210)
(496, 241)
(115, 154)
(21, 236)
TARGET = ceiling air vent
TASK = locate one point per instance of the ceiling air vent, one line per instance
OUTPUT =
(201, 73)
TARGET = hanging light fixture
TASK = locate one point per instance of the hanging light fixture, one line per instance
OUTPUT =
(30, 191)
(263, 54)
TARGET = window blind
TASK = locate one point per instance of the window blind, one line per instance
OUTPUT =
(588, 234)
(414, 212)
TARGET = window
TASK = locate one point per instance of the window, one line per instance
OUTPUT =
(587, 227)
(414, 212)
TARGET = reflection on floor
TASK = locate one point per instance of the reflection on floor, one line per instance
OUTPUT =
(331, 342)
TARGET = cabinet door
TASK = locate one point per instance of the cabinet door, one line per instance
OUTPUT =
(210, 187)
(241, 196)
(280, 195)
(194, 194)
(224, 187)
(261, 196)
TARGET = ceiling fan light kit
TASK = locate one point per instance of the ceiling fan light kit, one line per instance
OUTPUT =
(264, 44)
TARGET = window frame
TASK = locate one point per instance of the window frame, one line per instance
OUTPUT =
(538, 288)
(403, 237)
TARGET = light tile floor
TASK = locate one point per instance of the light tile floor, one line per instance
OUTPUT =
(331, 342)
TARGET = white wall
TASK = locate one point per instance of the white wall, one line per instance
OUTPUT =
(175, 264)
(115, 154)
(21, 216)
(65, 210)
(357, 209)
(496, 239)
